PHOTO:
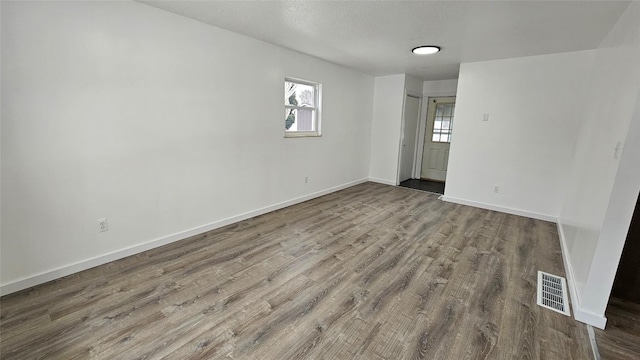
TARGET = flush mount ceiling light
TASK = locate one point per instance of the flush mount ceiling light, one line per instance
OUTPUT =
(426, 49)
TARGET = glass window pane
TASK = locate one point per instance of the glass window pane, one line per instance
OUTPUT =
(290, 120)
(445, 138)
(447, 109)
(437, 125)
(299, 119)
(439, 110)
(436, 137)
(304, 119)
(299, 94)
(445, 124)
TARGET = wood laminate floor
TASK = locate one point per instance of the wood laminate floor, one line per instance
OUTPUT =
(620, 340)
(369, 272)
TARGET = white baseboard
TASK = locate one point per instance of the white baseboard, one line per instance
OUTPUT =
(579, 313)
(590, 318)
(382, 181)
(503, 209)
(59, 272)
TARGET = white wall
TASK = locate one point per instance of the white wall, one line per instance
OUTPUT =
(602, 190)
(440, 88)
(388, 102)
(413, 85)
(159, 123)
(534, 106)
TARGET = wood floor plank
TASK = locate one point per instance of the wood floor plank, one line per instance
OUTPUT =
(621, 338)
(369, 272)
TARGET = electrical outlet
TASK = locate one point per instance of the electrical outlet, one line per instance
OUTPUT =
(306, 179)
(496, 189)
(103, 225)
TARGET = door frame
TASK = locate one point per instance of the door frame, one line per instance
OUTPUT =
(420, 98)
(422, 129)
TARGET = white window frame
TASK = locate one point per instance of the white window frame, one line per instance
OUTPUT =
(317, 109)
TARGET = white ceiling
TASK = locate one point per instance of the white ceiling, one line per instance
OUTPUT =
(376, 37)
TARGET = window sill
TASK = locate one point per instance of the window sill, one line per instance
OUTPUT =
(301, 134)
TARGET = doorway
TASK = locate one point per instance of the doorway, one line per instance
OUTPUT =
(627, 282)
(437, 139)
(409, 137)
(424, 185)
(620, 338)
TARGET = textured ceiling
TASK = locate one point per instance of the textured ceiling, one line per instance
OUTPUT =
(376, 37)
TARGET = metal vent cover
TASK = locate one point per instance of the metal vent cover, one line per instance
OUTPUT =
(552, 293)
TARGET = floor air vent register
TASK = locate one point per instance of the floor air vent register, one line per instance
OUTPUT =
(552, 293)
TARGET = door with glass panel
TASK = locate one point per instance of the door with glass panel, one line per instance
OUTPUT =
(435, 157)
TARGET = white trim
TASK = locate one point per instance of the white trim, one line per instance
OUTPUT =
(594, 344)
(589, 318)
(441, 93)
(383, 181)
(579, 313)
(65, 270)
(416, 148)
(504, 209)
(401, 139)
(417, 165)
(568, 270)
(299, 134)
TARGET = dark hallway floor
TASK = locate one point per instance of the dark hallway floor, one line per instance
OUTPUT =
(621, 338)
(425, 185)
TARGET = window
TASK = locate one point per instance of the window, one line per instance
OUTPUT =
(443, 123)
(301, 108)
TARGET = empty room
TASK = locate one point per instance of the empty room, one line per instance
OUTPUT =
(319, 179)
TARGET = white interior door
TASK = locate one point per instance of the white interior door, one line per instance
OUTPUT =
(409, 134)
(435, 157)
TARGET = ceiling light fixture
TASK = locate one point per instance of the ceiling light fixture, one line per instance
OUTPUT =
(426, 49)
